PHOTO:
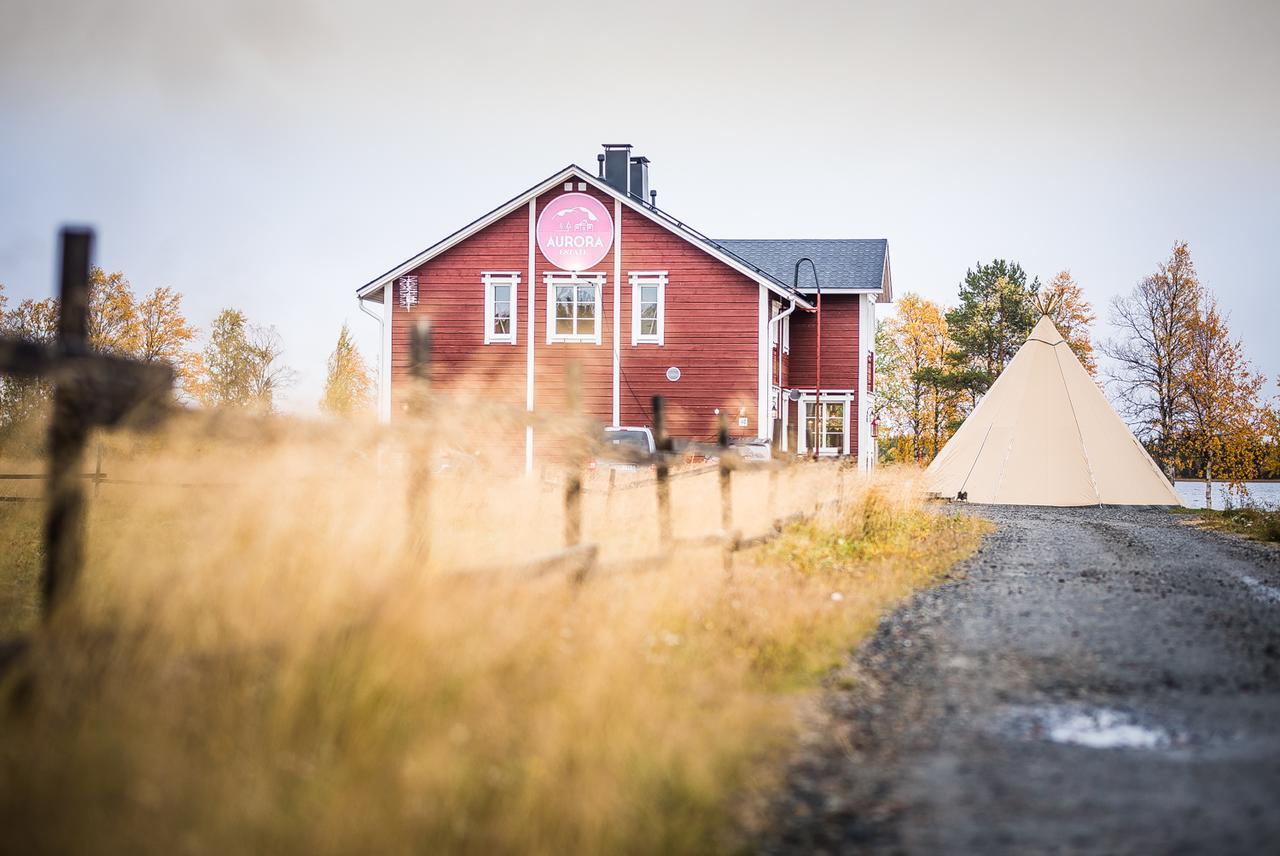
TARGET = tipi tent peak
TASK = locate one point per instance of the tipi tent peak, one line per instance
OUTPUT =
(1044, 434)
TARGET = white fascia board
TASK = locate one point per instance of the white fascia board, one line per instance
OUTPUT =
(465, 232)
(827, 292)
(887, 282)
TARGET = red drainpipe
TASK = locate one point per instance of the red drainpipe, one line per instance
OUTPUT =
(817, 381)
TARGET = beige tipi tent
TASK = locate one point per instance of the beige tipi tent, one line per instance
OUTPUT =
(1044, 434)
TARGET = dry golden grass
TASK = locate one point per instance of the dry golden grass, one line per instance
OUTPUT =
(260, 667)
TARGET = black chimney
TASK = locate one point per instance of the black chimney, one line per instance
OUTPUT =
(617, 157)
(640, 178)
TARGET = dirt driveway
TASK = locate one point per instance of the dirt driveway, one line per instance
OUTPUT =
(1092, 681)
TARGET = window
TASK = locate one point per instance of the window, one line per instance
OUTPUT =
(501, 292)
(573, 307)
(832, 434)
(648, 309)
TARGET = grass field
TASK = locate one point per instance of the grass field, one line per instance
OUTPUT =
(1257, 523)
(263, 669)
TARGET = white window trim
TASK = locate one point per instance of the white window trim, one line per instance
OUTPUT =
(552, 281)
(786, 335)
(802, 433)
(490, 279)
(643, 278)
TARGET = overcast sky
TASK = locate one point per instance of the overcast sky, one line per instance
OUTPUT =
(273, 156)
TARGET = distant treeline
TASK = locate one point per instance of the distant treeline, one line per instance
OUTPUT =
(240, 365)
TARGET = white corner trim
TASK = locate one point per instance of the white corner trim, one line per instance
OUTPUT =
(617, 312)
(763, 362)
(553, 280)
(866, 350)
(384, 373)
(512, 280)
(639, 279)
(529, 339)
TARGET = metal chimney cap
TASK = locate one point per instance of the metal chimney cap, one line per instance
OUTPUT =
(640, 159)
(616, 145)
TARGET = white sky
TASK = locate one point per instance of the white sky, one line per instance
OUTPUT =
(274, 156)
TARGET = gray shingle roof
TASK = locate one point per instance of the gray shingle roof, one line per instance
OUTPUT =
(841, 263)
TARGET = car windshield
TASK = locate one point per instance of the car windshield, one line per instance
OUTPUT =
(637, 440)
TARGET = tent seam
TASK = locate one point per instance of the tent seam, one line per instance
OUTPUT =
(1084, 449)
(964, 485)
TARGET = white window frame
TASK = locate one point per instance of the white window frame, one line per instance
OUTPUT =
(844, 397)
(561, 279)
(786, 334)
(648, 279)
(507, 278)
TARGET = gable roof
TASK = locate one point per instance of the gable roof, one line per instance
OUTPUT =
(781, 287)
(842, 264)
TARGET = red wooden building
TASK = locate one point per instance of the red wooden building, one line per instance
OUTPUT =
(586, 267)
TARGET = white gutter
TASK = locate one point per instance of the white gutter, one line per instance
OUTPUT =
(381, 345)
(777, 337)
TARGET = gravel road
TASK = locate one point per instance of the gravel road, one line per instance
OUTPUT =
(1092, 681)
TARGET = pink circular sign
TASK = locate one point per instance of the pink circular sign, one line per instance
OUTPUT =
(575, 231)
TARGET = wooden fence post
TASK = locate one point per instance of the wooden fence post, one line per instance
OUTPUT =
(726, 491)
(573, 484)
(419, 498)
(662, 472)
(68, 430)
(97, 472)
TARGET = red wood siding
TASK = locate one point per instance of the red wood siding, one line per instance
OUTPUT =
(711, 330)
(839, 344)
(451, 295)
(712, 336)
(840, 329)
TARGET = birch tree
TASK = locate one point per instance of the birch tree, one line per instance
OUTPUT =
(243, 364)
(164, 336)
(1223, 432)
(920, 345)
(24, 402)
(1155, 322)
(348, 388)
(1064, 302)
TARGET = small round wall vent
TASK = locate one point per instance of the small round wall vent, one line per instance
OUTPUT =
(673, 374)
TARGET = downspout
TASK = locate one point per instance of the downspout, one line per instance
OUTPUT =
(381, 346)
(817, 381)
(776, 324)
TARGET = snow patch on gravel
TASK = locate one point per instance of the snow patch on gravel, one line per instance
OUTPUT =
(1093, 728)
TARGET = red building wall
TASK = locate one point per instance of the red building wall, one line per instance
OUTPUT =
(839, 344)
(840, 334)
(711, 329)
(712, 336)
